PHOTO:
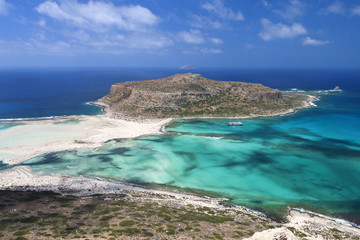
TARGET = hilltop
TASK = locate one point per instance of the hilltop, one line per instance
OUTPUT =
(192, 95)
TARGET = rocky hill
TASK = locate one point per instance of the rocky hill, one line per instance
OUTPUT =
(192, 95)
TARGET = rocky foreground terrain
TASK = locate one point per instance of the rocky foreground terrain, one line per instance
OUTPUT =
(145, 215)
(192, 95)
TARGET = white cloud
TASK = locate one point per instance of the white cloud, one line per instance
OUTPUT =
(211, 50)
(42, 23)
(356, 10)
(336, 7)
(77, 35)
(81, 42)
(205, 51)
(217, 7)
(147, 41)
(4, 7)
(97, 15)
(218, 17)
(216, 40)
(249, 46)
(266, 4)
(193, 36)
(278, 30)
(36, 46)
(102, 26)
(294, 9)
(314, 42)
(188, 66)
(120, 43)
(205, 22)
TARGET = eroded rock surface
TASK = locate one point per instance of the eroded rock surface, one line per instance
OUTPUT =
(192, 95)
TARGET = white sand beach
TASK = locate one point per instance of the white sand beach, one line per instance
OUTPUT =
(36, 137)
(33, 138)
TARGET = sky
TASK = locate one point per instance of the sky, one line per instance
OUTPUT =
(180, 33)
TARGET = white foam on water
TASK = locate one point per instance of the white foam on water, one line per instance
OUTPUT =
(214, 138)
(163, 129)
(27, 119)
(252, 211)
(312, 104)
(338, 220)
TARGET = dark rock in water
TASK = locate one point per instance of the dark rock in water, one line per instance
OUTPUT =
(336, 89)
(172, 133)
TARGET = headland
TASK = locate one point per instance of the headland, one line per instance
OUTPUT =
(194, 96)
(134, 109)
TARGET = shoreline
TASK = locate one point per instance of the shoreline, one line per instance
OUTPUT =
(308, 103)
(32, 138)
(21, 178)
(99, 129)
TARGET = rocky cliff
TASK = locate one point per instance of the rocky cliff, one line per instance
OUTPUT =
(192, 95)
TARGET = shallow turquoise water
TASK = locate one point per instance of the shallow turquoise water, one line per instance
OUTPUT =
(310, 159)
(4, 126)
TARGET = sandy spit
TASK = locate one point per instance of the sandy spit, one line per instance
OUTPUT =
(33, 138)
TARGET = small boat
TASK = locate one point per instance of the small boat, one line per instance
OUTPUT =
(235, 124)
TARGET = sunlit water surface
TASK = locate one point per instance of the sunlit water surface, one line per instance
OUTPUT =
(310, 159)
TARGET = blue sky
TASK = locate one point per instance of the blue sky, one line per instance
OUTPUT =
(174, 33)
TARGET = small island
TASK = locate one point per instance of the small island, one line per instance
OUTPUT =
(138, 108)
(190, 95)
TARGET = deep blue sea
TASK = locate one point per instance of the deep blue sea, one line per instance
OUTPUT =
(310, 159)
(28, 93)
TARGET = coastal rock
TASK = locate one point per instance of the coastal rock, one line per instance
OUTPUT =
(273, 234)
(192, 95)
(336, 89)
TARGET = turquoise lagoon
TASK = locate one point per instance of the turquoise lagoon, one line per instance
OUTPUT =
(310, 159)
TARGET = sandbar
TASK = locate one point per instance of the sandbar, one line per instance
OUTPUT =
(29, 139)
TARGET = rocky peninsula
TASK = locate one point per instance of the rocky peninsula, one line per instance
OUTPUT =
(192, 95)
(133, 109)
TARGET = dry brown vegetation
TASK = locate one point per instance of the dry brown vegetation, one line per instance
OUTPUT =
(191, 95)
(138, 215)
(46, 215)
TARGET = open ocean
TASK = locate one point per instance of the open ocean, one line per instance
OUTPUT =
(310, 159)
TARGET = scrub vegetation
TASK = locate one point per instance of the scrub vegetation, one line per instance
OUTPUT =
(191, 95)
(46, 215)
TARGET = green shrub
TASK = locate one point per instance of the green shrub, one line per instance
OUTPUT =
(126, 223)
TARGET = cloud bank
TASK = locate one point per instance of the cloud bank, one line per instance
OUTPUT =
(217, 8)
(99, 15)
(356, 10)
(3, 7)
(192, 36)
(272, 31)
(294, 9)
(336, 7)
(314, 42)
